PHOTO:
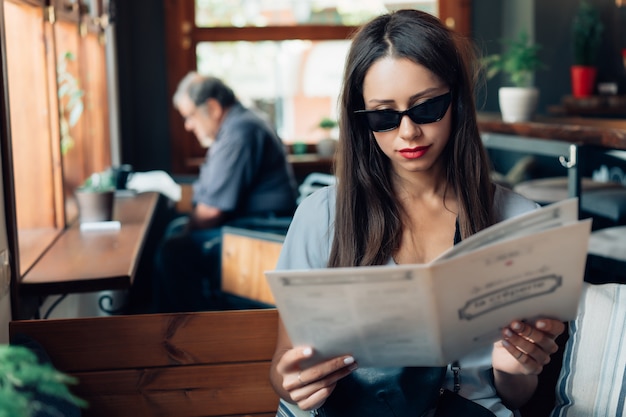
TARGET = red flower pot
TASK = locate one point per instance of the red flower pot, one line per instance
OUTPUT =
(583, 80)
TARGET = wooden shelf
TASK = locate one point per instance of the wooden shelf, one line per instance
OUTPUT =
(598, 106)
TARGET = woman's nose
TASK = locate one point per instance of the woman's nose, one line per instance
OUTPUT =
(408, 128)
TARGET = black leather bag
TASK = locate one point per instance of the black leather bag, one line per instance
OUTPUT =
(385, 392)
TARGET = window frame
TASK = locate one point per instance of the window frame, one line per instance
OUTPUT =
(182, 37)
(36, 209)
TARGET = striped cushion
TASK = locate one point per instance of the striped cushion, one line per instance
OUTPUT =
(593, 379)
(289, 410)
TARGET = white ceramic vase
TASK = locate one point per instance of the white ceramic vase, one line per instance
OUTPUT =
(326, 147)
(517, 104)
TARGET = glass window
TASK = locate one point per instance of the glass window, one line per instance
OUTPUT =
(295, 82)
(261, 13)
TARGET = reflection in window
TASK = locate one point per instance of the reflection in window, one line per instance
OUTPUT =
(296, 83)
(260, 13)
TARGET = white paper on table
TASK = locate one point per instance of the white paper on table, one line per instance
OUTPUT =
(158, 181)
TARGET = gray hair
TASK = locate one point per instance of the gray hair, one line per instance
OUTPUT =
(200, 88)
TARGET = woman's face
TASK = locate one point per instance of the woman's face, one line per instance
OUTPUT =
(399, 84)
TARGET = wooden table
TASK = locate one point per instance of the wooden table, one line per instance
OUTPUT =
(94, 261)
(570, 139)
(305, 164)
(302, 164)
(604, 133)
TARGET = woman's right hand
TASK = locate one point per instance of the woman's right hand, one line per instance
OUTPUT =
(310, 387)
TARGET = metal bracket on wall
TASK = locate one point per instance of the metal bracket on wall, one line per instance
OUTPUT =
(571, 161)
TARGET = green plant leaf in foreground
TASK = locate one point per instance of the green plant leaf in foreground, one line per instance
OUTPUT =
(21, 375)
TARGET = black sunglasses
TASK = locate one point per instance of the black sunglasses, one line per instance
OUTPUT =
(430, 111)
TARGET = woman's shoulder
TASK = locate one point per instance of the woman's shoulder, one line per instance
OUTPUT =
(314, 216)
(508, 203)
(318, 202)
(308, 241)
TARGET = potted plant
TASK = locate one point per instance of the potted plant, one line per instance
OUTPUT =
(24, 382)
(70, 101)
(327, 145)
(95, 198)
(519, 61)
(587, 31)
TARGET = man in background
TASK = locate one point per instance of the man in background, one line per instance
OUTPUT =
(245, 178)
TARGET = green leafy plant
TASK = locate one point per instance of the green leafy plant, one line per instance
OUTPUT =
(21, 375)
(70, 101)
(327, 123)
(587, 29)
(518, 61)
(99, 182)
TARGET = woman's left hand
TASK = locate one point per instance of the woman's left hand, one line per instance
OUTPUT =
(525, 348)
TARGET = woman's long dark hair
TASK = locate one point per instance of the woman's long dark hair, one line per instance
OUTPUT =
(368, 225)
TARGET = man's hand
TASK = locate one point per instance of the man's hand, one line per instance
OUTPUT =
(205, 217)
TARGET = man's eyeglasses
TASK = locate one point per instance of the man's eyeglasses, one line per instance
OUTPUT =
(429, 111)
(193, 112)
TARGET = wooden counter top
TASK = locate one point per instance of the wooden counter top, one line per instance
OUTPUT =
(95, 261)
(607, 133)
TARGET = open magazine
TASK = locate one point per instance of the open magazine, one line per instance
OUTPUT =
(431, 314)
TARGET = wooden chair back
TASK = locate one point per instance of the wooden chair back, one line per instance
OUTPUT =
(246, 255)
(183, 365)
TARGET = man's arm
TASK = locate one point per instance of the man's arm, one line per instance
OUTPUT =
(205, 217)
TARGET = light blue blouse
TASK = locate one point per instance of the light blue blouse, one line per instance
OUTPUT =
(307, 246)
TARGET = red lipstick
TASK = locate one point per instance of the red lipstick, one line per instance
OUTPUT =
(414, 153)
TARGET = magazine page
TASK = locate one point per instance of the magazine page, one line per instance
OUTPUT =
(383, 316)
(553, 215)
(539, 275)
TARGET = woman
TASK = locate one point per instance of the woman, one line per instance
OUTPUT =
(413, 179)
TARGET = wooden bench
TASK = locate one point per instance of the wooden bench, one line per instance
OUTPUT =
(185, 364)
(246, 255)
